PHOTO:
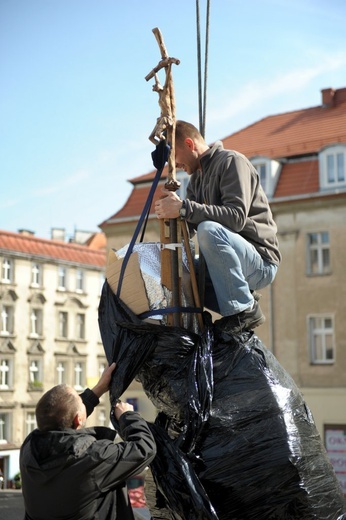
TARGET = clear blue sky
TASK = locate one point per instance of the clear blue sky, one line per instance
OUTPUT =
(76, 111)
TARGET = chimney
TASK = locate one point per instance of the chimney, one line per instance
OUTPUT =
(328, 97)
(26, 232)
(58, 234)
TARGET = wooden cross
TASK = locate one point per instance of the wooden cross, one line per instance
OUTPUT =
(165, 124)
(171, 230)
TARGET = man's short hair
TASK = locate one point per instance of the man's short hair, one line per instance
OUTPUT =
(184, 129)
(57, 408)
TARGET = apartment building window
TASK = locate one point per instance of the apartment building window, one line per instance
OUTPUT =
(7, 320)
(63, 324)
(79, 375)
(36, 323)
(7, 270)
(332, 162)
(80, 326)
(336, 168)
(262, 172)
(268, 171)
(321, 335)
(318, 257)
(6, 373)
(35, 374)
(62, 278)
(5, 427)
(61, 372)
(36, 275)
(80, 281)
(70, 368)
(30, 422)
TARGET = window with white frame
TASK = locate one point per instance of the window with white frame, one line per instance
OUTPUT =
(36, 275)
(30, 422)
(6, 373)
(36, 323)
(80, 281)
(268, 171)
(321, 336)
(7, 320)
(62, 278)
(5, 419)
(80, 326)
(35, 372)
(79, 375)
(63, 324)
(332, 161)
(7, 270)
(318, 254)
(261, 168)
(61, 372)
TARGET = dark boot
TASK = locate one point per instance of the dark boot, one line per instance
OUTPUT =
(241, 322)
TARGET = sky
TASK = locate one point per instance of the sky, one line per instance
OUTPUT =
(76, 111)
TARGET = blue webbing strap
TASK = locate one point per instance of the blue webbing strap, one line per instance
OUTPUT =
(169, 310)
(159, 156)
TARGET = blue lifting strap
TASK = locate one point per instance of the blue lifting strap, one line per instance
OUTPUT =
(159, 156)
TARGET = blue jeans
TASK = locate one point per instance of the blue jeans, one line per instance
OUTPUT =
(235, 268)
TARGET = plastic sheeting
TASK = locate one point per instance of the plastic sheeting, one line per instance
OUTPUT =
(235, 438)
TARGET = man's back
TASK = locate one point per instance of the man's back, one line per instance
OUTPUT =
(80, 474)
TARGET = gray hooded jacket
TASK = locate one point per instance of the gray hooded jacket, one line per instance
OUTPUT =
(227, 190)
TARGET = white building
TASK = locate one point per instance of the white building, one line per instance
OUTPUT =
(49, 334)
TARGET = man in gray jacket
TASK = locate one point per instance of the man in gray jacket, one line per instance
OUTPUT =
(74, 473)
(237, 236)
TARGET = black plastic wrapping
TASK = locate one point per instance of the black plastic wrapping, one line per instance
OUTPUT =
(236, 439)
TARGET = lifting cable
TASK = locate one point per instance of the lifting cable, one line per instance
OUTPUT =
(202, 103)
(202, 90)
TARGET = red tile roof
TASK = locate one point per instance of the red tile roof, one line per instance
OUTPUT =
(135, 203)
(298, 178)
(97, 241)
(300, 133)
(52, 249)
(294, 133)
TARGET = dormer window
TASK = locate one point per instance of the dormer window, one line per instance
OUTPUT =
(268, 171)
(333, 167)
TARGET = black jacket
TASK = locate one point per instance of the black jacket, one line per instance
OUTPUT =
(81, 474)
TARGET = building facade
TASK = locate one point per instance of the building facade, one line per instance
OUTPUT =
(49, 297)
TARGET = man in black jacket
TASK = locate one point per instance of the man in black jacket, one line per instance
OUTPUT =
(74, 473)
